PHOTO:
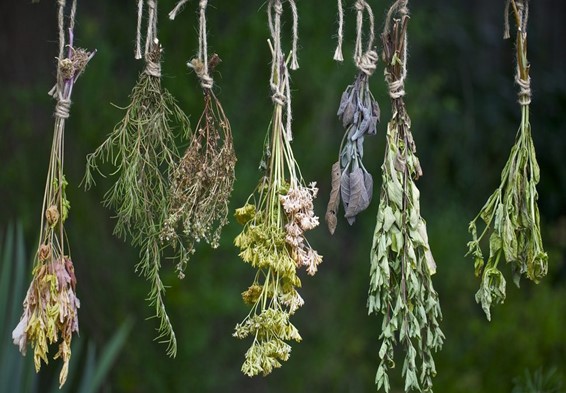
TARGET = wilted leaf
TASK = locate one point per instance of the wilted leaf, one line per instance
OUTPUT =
(345, 188)
(358, 195)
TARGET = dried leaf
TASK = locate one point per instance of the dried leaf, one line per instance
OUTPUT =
(334, 202)
(345, 188)
(358, 195)
(368, 181)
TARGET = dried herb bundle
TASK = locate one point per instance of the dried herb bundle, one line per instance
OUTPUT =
(511, 213)
(201, 183)
(401, 262)
(275, 219)
(359, 113)
(51, 304)
(142, 149)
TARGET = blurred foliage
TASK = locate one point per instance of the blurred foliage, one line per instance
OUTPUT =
(461, 98)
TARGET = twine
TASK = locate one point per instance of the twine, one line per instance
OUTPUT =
(524, 89)
(279, 80)
(338, 52)
(62, 108)
(365, 61)
(152, 67)
(396, 87)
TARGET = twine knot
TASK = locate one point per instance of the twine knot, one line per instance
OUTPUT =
(197, 65)
(524, 90)
(367, 63)
(153, 68)
(151, 4)
(62, 108)
(278, 7)
(396, 88)
(360, 5)
(279, 98)
(202, 4)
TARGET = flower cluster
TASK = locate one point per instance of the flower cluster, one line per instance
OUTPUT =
(298, 205)
(50, 311)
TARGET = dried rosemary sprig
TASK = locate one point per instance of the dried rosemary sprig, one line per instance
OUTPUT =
(51, 304)
(142, 149)
(511, 213)
(201, 184)
(401, 262)
(275, 219)
(359, 113)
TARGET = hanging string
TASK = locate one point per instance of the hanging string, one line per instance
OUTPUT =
(396, 86)
(279, 80)
(338, 52)
(521, 11)
(365, 61)
(138, 54)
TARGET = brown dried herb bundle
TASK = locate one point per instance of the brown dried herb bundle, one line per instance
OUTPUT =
(51, 305)
(202, 182)
(359, 113)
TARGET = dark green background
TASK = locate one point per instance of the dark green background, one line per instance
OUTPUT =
(462, 101)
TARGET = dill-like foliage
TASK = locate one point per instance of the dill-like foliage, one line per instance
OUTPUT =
(142, 150)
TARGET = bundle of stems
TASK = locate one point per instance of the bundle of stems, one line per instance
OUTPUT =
(401, 287)
(511, 214)
(142, 149)
(202, 181)
(275, 219)
(51, 304)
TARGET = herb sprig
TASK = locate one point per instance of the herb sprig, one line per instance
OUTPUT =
(511, 214)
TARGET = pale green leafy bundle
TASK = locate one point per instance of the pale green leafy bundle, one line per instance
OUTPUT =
(511, 214)
(401, 286)
(142, 149)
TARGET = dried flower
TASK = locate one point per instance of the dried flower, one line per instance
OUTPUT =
(275, 219)
(201, 184)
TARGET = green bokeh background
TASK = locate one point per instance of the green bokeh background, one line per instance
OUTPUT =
(462, 101)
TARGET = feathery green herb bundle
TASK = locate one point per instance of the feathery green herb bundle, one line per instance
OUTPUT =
(201, 184)
(511, 214)
(275, 219)
(51, 304)
(359, 113)
(401, 262)
(142, 148)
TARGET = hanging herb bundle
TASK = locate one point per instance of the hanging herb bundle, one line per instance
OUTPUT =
(511, 213)
(275, 219)
(359, 113)
(201, 183)
(142, 148)
(51, 305)
(401, 262)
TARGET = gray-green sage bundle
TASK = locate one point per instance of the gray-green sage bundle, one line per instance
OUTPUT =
(202, 181)
(402, 265)
(275, 219)
(51, 305)
(142, 150)
(511, 214)
(359, 113)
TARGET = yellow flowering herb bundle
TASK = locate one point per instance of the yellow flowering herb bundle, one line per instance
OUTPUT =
(359, 113)
(142, 149)
(402, 265)
(275, 219)
(202, 181)
(511, 214)
(51, 305)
